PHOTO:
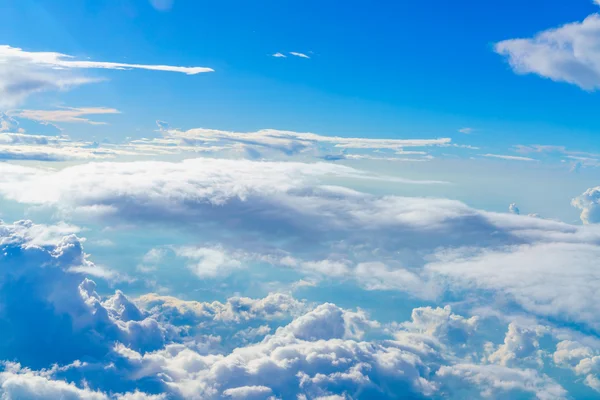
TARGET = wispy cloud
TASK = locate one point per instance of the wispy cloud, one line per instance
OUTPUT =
(506, 157)
(23, 73)
(467, 130)
(70, 115)
(279, 55)
(301, 55)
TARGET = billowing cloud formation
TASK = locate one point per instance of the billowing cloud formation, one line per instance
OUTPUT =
(23, 73)
(569, 53)
(415, 245)
(589, 204)
(160, 347)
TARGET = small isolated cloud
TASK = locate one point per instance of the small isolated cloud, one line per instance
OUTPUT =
(279, 55)
(23, 73)
(569, 53)
(506, 157)
(513, 209)
(467, 130)
(162, 5)
(70, 115)
(301, 55)
(589, 204)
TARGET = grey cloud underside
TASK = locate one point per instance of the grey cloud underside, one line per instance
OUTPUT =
(165, 347)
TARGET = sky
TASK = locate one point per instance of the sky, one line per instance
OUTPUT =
(299, 200)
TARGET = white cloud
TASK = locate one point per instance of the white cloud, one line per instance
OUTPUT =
(248, 392)
(521, 345)
(495, 381)
(466, 130)
(289, 142)
(23, 73)
(556, 280)
(569, 53)
(513, 209)
(301, 55)
(589, 204)
(70, 115)
(279, 55)
(208, 262)
(161, 344)
(506, 157)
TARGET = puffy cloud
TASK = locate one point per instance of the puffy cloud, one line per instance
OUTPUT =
(521, 345)
(442, 324)
(583, 360)
(589, 204)
(568, 53)
(159, 347)
(23, 73)
(493, 381)
(208, 262)
(41, 293)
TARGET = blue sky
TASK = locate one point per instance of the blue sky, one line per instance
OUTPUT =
(299, 200)
(388, 70)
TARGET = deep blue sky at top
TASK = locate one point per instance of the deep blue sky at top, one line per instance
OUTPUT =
(377, 68)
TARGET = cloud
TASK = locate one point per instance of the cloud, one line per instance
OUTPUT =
(589, 204)
(466, 131)
(521, 345)
(500, 382)
(301, 55)
(9, 124)
(555, 280)
(512, 158)
(569, 53)
(49, 312)
(23, 73)
(513, 209)
(208, 262)
(291, 143)
(158, 347)
(279, 55)
(70, 115)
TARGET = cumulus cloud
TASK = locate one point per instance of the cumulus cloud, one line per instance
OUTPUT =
(500, 382)
(23, 73)
(41, 292)
(158, 347)
(568, 53)
(521, 346)
(589, 204)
